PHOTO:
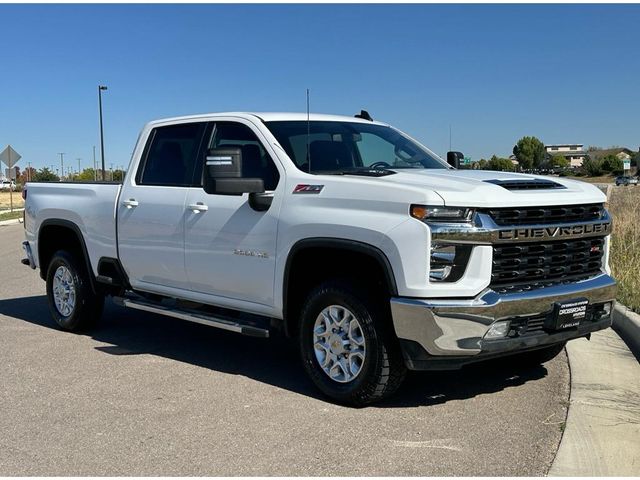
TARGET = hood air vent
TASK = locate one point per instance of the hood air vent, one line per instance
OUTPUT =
(533, 184)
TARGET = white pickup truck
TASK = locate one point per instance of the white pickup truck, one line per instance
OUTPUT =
(344, 233)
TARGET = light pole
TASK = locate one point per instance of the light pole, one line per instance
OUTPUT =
(61, 164)
(100, 89)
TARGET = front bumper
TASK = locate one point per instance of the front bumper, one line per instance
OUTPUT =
(447, 333)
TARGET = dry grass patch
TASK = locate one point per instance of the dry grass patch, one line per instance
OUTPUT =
(624, 205)
(10, 215)
(602, 179)
(5, 200)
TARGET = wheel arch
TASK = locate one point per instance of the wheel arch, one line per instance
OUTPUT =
(311, 252)
(56, 234)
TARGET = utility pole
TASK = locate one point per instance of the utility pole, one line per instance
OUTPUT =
(29, 172)
(79, 165)
(95, 167)
(100, 89)
(61, 164)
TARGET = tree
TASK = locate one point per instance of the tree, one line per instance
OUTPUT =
(28, 175)
(559, 161)
(118, 175)
(500, 164)
(529, 152)
(611, 163)
(45, 175)
(480, 164)
(87, 175)
(592, 167)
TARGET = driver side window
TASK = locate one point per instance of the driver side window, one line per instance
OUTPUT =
(256, 162)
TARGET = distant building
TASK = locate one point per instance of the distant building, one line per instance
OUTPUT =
(574, 152)
(622, 153)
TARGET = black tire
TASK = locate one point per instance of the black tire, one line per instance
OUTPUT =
(87, 307)
(542, 355)
(383, 369)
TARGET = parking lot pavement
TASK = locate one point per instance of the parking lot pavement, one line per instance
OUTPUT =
(148, 395)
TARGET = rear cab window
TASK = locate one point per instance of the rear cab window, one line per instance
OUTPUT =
(171, 155)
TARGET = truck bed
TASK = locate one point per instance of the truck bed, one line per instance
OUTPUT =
(88, 205)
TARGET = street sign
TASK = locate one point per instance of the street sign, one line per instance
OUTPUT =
(9, 156)
(466, 161)
(10, 173)
(627, 164)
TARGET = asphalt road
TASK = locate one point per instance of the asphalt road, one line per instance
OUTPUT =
(149, 395)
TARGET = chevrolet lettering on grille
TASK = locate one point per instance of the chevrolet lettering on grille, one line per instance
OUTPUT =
(555, 231)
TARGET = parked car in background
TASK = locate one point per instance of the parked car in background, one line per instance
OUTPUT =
(626, 180)
(8, 185)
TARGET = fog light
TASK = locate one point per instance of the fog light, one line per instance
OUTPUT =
(606, 310)
(442, 261)
(498, 330)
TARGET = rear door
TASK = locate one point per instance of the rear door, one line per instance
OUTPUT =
(151, 208)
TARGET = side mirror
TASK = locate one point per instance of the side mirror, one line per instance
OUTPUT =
(223, 173)
(453, 159)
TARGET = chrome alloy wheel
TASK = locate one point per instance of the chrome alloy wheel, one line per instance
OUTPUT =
(338, 342)
(64, 291)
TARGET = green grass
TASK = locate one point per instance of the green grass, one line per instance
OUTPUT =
(10, 215)
(624, 205)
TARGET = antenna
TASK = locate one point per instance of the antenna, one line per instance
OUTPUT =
(308, 135)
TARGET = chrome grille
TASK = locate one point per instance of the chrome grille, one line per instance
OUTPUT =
(544, 262)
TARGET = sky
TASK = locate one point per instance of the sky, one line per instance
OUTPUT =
(494, 73)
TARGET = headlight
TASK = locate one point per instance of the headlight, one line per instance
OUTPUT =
(448, 262)
(441, 214)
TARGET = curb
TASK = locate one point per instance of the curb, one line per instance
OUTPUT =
(4, 223)
(8, 210)
(602, 432)
(626, 323)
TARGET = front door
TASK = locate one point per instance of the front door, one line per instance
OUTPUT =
(230, 247)
(151, 211)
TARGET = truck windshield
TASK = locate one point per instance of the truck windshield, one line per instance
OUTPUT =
(350, 147)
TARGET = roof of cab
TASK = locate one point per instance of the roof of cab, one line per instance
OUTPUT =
(268, 117)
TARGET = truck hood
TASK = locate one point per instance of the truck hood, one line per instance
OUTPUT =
(475, 188)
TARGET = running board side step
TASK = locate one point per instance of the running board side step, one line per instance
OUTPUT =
(217, 322)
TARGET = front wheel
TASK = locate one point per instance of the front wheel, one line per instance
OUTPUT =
(348, 348)
(72, 303)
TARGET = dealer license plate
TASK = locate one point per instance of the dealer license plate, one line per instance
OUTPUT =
(569, 314)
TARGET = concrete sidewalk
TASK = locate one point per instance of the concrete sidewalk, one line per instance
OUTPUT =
(602, 435)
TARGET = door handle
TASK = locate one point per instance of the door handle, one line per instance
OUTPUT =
(198, 207)
(131, 203)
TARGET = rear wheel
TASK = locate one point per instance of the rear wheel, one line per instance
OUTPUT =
(347, 346)
(72, 303)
